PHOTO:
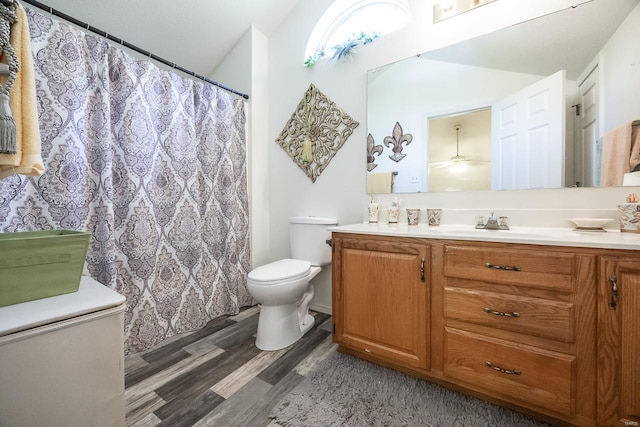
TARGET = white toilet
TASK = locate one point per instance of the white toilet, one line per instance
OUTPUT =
(284, 289)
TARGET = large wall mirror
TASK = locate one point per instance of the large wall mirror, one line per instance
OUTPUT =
(527, 106)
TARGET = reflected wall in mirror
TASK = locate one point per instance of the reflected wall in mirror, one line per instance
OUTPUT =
(532, 79)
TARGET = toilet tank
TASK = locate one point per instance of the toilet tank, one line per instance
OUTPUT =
(309, 236)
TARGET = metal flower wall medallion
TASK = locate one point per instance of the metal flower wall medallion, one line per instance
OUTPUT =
(317, 129)
(396, 140)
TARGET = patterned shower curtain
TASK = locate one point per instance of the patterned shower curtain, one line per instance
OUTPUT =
(154, 166)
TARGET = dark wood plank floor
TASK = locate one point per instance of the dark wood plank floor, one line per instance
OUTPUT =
(217, 376)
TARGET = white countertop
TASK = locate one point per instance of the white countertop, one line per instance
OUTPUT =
(91, 297)
(610, 239)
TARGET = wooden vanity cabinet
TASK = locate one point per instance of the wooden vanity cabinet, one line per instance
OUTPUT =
(528, 313)
(549, 330)
(619, 341)
(381, 298)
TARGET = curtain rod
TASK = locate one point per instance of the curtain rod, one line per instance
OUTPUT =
(148, 54)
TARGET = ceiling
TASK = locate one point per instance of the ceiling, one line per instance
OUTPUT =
(195, 34)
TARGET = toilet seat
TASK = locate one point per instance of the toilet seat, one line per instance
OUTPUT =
(278, 271)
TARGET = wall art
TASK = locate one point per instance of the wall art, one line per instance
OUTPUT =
(317, 129)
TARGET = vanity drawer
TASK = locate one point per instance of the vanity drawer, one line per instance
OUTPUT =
(524, 375)
(533, 316)
(536, 269)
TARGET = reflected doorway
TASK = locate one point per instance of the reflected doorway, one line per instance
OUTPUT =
(460, 151)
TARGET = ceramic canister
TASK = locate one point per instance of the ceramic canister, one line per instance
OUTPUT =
(629, 217)
(434, 216)
(413, 216)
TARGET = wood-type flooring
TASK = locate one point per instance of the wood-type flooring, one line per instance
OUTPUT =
(217, 377)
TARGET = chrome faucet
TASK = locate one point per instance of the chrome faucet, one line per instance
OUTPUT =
(494, 223)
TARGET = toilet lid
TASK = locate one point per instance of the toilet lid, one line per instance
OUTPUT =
(285, 269)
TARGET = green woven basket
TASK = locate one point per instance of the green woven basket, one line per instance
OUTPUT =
(40, 264)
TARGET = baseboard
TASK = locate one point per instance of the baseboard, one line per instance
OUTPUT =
(321, 308)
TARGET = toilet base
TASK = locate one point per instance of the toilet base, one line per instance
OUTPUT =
(280, 326)
(284, 311)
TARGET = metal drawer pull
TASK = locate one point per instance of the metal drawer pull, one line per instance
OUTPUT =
(501, 370)
(614, 292)
(422, 270)
(501, 313)
(503, 267)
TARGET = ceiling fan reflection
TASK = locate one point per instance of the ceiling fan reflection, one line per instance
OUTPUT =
(458, 163)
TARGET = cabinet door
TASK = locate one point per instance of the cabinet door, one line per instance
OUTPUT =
(380, 298)
(619, 342)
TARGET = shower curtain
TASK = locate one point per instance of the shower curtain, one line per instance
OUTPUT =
(154, 166)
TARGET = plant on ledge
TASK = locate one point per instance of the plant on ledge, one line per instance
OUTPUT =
(343, 50)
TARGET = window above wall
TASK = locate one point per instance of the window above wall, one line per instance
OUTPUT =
(349, 23)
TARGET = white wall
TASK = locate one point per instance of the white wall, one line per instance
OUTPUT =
(621, 74)
(246, 69)
(340, 191)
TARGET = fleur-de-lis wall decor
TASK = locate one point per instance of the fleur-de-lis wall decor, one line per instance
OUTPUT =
(371, 150)
(396, 140)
